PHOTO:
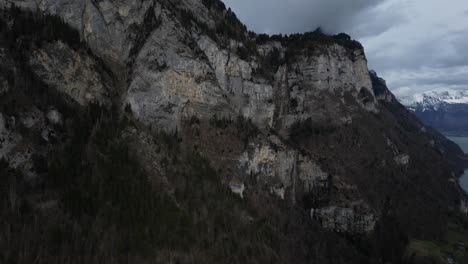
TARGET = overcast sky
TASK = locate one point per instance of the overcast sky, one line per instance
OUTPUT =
(416, 45)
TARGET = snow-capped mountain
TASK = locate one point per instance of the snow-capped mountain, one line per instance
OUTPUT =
(445, 110)
(435, 99)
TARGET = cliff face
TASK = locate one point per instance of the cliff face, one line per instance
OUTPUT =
(177, 70)
(297, 123)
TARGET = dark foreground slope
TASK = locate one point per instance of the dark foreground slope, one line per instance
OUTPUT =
(140, 160)
(451, 151)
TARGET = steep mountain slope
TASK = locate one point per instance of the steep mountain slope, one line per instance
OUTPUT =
(446, 111)
(163, 131)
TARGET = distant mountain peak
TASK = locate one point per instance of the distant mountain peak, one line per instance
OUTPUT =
(444, 110)
(435, 99)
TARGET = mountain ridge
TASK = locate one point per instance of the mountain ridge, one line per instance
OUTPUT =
(445, 110)
(436, 98)
(253, 151)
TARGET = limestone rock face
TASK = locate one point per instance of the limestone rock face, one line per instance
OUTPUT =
(171, 81)
(248, 97)
(296, 87)
(272, 168)
(180, 72)
(107, 26)
(318, 85)
(333, 71)
(288, 173)
(70, 72)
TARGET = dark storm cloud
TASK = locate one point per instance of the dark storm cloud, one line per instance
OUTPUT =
(292, 16)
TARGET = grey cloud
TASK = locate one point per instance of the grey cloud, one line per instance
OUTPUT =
(444, 51)
(292, 16)
(375, 21)
(429, 81)
(458, 45)
(363, 29)
(408, 82)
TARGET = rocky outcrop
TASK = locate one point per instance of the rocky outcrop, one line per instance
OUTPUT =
(71, 72)
(289, 176)
(285, 171)
(170, 81)
(380, 88)
(107, 26)
(247, 95)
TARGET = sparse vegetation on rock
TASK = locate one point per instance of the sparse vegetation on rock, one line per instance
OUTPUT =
(329, 168)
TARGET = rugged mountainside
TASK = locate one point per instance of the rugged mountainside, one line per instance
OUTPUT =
(446, 111)
(163, 131)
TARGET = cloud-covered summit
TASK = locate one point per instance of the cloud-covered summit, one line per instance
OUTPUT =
(416, 45)
(293, 16)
